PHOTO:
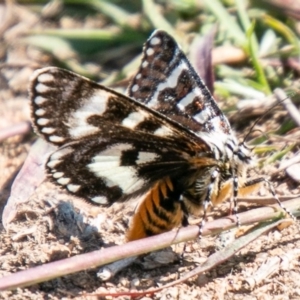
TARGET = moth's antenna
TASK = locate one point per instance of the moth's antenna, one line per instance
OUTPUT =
(281, 97)
(262, 133)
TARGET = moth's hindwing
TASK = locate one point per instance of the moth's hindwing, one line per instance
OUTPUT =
(106, 170)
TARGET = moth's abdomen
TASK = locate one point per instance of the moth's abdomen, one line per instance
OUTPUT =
(159, 212)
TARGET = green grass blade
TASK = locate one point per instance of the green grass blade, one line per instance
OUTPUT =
(157, 19)
(284, 30)
(226, 21)
(253, 51)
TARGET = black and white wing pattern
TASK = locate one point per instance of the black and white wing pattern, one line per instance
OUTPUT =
(167, 141)
(112, 147)
(68, 107)
(166, 82)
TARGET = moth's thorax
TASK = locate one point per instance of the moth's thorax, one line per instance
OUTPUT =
(225, 147)
(229, 160)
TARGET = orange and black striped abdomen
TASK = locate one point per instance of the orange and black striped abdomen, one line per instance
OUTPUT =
(159, 212)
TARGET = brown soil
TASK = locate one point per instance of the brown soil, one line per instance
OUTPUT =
(52, 225)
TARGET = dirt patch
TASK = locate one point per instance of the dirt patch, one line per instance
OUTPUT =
(52, 225)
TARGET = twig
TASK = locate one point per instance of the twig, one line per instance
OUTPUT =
(28, 179)
(17, 129)
(135, 248)
(285, 164)
(269, 267)
(214, 260)
(107, 272)
(266, 200)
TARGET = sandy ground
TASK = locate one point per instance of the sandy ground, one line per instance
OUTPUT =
(51, 225)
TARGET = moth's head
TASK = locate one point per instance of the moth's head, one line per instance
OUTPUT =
(243, 160)
(244, 153)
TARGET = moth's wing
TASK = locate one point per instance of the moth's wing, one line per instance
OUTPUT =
(66, 107)
(108, 169)
(167, 83)
(113, 147)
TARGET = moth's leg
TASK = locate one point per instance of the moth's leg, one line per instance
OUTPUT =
(184, 223)
(249, 186)
(235, 195)
(207, 200)
(252, 184)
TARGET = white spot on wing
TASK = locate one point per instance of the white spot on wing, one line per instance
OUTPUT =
(73, 188)
(51, 164)
(96, 105)
(42, 121)
(100, 199)
(60, 153)
(48, 130)
(155, 41)
(216, 124)
(138, 76)
(116, 175)
(150, 51)
(144, 64)
(83, 131)
(107, 166)
(41, 88)
(188, 99)
(46, 77)
(111, 154)
(202, 116)
(56, 139)
(134, 88)
(170, 82)
(163, 131)
(63, 181)
(40, 112)
(40, 100)
(58, 174)
(133, 119)
(145, 157)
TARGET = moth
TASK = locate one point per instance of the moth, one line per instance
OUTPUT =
(167, 142)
